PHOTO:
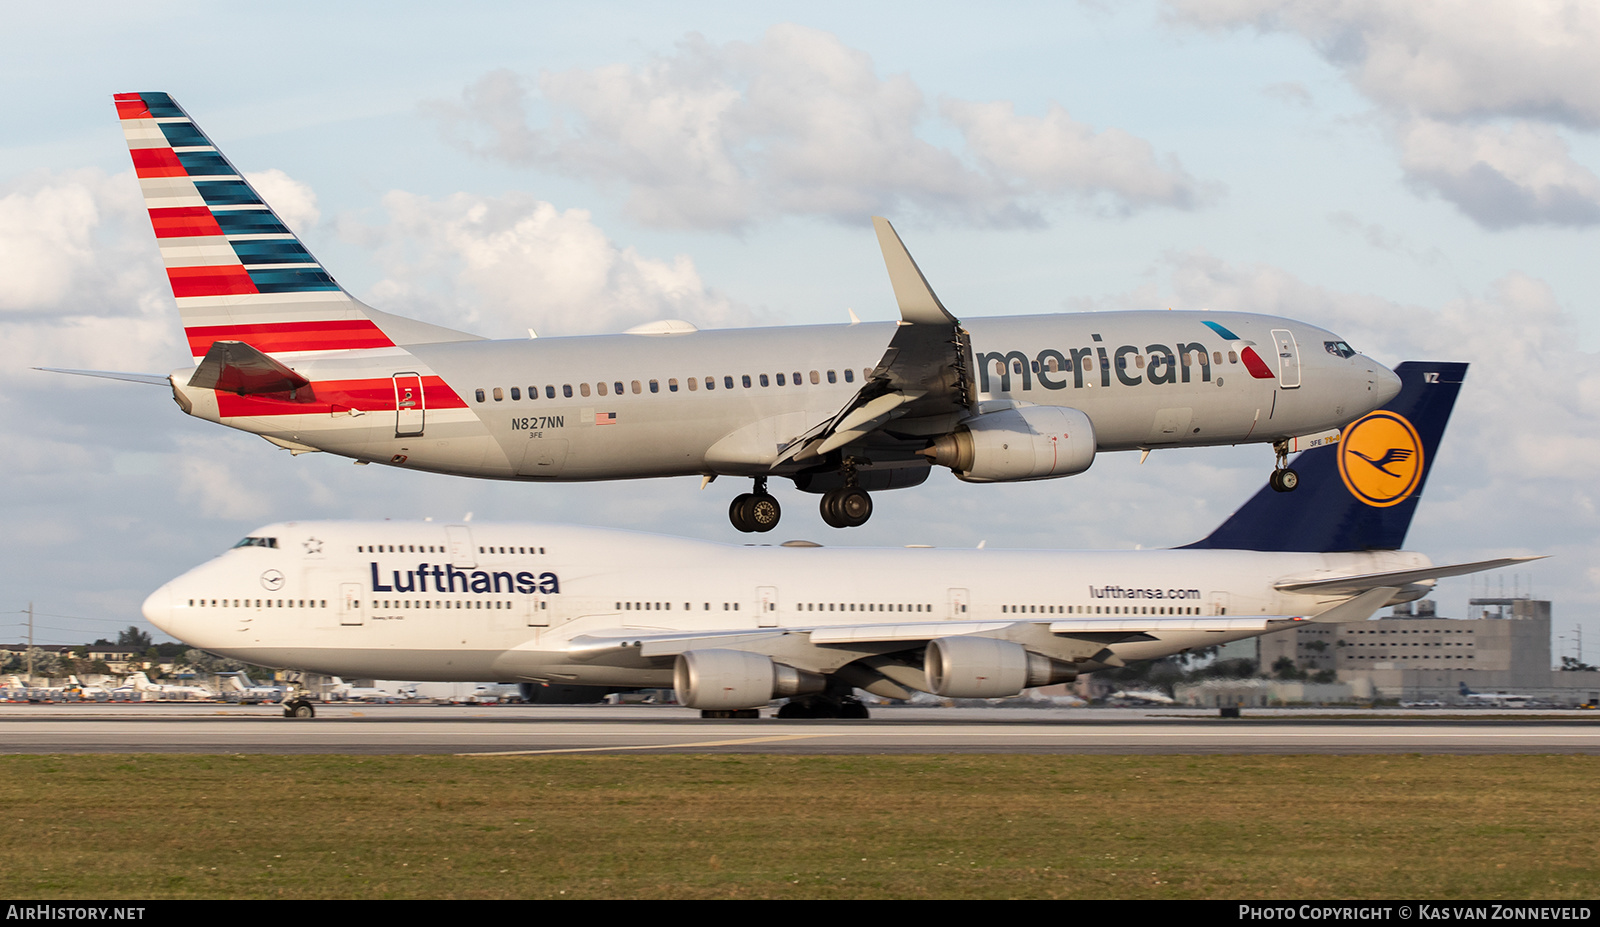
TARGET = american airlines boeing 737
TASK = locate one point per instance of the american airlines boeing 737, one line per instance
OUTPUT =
(281, 350)
(732, 628)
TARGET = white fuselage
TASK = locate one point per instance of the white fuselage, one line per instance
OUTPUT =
(522, 602)
(725, 402)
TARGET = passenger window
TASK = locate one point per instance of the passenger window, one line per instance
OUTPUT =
(515, 394)
(478, 394)
(1233, 357)
(815, 378)
(711, 383)
(583, 389)
(566, 390)
(796, 379)
(1138, 359)
(1217, 356)
(635, 386)
(499, 394)
(655, 386)
(832, 377)
(780, 380)
(618, 387)
(600, 388)
(764, 380)
(672, 385)
(849, 376)
(692, 383)
(746, 380)
(549, 392)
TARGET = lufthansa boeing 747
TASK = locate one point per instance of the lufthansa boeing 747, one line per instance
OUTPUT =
(732, 628)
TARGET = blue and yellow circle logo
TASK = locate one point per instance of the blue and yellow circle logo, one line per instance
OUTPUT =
(1380, 458)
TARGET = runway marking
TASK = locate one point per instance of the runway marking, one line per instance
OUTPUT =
(672, 746)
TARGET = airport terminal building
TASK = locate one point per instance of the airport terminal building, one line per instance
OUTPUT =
(1417, 655)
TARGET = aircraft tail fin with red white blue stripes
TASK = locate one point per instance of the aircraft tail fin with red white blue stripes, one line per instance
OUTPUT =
(237, 271)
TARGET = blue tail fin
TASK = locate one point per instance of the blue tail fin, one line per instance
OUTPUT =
(1358, 494)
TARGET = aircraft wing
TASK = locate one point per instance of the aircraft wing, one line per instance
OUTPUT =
(826, 648)
(925, 371)
(1347, 585)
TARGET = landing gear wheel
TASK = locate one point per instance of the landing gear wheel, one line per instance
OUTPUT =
(764, 512)
(830, 509)
(846, 508)
(300, 709)
(1284, 480)
(739, 512)
(854, 507)
(851, 709)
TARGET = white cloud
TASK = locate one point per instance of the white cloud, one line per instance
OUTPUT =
(1057, 154)
(798, 123)
(501, 265)
(1522, 175)
(293, 201)
(1474, 91)
(70, 240)
(1531, 58)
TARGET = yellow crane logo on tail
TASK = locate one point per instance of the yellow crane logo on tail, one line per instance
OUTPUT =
(1380, 458)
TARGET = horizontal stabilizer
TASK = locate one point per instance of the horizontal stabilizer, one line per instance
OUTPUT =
(153, 379)
(1349, 585)
(236, 367)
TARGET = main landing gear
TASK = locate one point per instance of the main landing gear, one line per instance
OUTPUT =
(849, 506)
(847, 707)
(1283, 479)
(755, 511)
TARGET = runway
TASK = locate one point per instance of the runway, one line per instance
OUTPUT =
(534, 730)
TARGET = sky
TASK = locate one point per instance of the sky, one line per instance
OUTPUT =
(1422, 178)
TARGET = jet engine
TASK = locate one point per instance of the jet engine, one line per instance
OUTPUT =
(1024, 443)
(718, 680)
(983, 667)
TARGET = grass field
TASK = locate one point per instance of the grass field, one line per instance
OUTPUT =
(1411, 827)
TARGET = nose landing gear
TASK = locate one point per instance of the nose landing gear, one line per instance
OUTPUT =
(1283, 479)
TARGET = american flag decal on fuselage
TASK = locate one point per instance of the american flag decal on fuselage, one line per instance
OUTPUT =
(237, 271)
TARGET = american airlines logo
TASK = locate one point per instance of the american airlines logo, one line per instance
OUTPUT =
(1155, 363)
(449, 579)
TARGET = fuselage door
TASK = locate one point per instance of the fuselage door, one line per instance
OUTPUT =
(767, 602)
(959, 600)
(350, 600)
(1288, 358)
(408, 404)
(462, 553)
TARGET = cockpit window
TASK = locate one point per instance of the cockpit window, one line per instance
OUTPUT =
(1339, 349)
(258, 542)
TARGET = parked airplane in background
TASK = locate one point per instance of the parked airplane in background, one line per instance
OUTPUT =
(238, 686)
(141, 684)
(734, 627)
(282, 351)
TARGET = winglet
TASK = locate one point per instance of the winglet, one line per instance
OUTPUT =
(918, 304)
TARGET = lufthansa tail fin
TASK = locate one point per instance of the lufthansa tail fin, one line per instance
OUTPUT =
(1360, 493)
(237, 271)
